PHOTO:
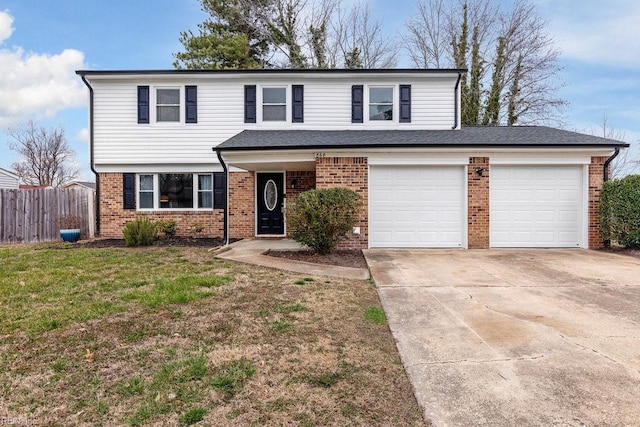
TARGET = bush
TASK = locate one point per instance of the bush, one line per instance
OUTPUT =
(140, 232)
(168, 227)
(620, 211)
(320, 219)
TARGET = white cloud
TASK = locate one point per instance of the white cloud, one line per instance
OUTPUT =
(83, 135)
(6, 29)
(606, 33)
(33, 85)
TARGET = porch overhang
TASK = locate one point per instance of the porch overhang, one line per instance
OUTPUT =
(269, 161)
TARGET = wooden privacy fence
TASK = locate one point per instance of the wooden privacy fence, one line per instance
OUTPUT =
(34, 215)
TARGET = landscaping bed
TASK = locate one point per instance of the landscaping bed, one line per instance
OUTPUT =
(343, 258)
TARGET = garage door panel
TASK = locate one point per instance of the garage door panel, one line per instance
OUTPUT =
(427, 205)
(536, 206)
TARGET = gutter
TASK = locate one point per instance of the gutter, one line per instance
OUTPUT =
(455, 101)
(605, 168)
(225, 214)
(91, 156)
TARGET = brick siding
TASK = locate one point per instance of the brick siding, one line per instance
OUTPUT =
(113, 217)
(596, 180)
(478, 203)
(242, 204)
(351, 173)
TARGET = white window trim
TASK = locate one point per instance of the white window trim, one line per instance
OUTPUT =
(156, 197)
(154, 104)
(287, 105)
(395, 110)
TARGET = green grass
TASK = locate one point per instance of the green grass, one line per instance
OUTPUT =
(48, 287)
(170, 336)
(231, 377)
(193, 416)
(375, 315)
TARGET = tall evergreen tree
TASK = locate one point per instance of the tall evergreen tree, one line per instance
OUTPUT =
(471, 112)
(492, 109)
(232, 37)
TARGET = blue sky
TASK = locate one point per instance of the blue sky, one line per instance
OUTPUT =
(42, 43)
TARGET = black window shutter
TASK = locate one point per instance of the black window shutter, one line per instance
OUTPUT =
(405, 103)
(297, 106)
(143, 104)
(129, 190)
(191, 104)
(357, 107)
(250, 104)
(219, 190)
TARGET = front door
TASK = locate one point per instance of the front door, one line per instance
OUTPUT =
(270, 198)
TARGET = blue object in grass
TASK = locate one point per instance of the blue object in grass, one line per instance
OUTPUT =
(70, 235)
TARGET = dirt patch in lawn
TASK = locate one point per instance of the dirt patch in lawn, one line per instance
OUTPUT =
(165, 344)
(344, 258)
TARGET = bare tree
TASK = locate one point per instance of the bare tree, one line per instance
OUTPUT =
(517, 81)
(45, 155)
(625, 163)
(360, 40)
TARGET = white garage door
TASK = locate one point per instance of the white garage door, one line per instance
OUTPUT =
(536, 206)
(416, 206)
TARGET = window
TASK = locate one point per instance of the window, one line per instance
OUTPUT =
(178, 191)
(205, 191)
(274, 104)
(381, 103)
(168, 105)
(146, 192)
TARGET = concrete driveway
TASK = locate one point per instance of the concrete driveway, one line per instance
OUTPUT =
(516, 337)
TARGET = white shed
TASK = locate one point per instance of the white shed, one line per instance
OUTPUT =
(8, 179)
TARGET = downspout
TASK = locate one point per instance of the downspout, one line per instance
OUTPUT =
(455, 102)
(607, 162)
(225, 214)
(91, 158)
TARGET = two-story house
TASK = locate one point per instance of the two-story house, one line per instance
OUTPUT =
(227, 149)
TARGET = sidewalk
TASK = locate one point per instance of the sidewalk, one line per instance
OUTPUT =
(251, 251)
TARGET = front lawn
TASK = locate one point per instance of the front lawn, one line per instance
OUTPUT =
(172, 336)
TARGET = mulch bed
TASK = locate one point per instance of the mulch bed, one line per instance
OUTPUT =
(174, 241)
(344, 258)
(623, 251)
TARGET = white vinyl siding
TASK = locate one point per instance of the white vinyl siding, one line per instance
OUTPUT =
(537, 206)
(8, 181)
(417, 206)
(120, 140)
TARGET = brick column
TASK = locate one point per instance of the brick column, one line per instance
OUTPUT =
(242, 202)
(351, 173)
(478, 203)
(596, 180)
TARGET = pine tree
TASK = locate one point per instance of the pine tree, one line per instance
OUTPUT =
(471, 114)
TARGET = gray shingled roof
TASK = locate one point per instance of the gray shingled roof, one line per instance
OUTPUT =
(481, 136)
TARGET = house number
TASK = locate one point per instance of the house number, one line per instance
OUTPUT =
(320, 155)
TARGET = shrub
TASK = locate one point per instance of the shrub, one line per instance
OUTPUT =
(140, 232)
(168, 227)
(620, 211)
(320, 219)
(70, 222)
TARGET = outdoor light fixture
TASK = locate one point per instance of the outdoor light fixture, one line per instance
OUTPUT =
(480, 170)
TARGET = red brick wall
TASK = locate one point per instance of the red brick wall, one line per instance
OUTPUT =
(242, 204)
(113, 217)
(596, 179)
(352, 173)
(478, 203)
(298, 182)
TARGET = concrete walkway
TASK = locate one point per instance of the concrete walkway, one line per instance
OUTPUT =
(252, 251)
(516, 337)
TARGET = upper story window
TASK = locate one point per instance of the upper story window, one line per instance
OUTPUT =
(274, 104)
(168, 105)
(380, 103)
